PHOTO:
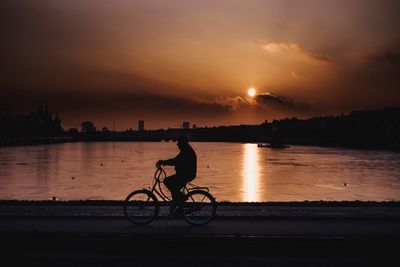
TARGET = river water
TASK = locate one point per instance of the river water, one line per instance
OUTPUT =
(232, 171)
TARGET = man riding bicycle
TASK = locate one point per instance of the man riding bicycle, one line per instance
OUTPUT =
(185, 166)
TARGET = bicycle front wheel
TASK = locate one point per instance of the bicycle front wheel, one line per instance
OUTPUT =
(141, 206)
(199, 207)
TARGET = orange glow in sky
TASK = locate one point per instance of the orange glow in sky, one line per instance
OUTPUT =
(172, 61)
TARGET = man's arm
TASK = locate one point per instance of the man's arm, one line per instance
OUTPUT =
(170, 162)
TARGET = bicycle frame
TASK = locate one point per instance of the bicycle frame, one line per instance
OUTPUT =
(160, 175)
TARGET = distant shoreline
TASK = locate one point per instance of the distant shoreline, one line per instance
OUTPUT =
(368, 129)
(64, 140)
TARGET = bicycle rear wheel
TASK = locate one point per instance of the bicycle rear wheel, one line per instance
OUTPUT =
(141, 206)
(199, 207)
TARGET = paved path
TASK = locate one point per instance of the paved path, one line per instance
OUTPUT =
(245, 227)
(239, 210)
(242, 234)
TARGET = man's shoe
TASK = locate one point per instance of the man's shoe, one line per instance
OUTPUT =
(177, 213)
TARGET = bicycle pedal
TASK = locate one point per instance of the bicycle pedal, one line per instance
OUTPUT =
(176, 213)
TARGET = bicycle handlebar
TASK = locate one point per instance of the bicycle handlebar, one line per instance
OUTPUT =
(159, 167)
(160, 171)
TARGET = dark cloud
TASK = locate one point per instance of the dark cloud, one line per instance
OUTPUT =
(372, 82)
(267, 98)
(388, 58)
(289, 105)
(385, 67)
(320, 57)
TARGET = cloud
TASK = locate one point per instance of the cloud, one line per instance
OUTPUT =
(275, 48)
(265, 102)
(232, 103)
(294, 49)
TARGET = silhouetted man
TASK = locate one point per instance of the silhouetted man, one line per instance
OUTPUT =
(185, 166)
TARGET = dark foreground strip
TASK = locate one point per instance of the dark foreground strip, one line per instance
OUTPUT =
(38, 249)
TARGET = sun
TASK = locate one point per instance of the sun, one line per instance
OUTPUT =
(251, 92)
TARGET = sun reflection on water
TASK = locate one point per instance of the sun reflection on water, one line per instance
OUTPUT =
(251, 172)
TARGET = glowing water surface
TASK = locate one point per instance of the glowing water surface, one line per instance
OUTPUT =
(232, 171)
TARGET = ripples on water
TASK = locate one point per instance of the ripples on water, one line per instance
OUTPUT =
(233, 171)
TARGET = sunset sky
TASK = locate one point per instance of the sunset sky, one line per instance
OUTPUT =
(172, 61)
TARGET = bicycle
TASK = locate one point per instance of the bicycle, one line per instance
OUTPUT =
(142, 206)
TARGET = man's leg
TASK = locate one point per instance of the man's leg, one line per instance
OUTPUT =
(175, 183)
(181, 181)
(171, 183)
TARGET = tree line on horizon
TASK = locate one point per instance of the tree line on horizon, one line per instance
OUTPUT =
(40, 123)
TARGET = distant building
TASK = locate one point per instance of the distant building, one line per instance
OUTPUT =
(185, 125)
(141, 125)
(194, 126)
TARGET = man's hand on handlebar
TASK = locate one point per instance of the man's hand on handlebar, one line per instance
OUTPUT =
(160, 163)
